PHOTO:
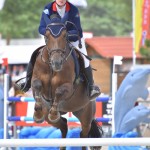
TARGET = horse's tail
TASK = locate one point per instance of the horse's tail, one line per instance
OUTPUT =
(96, 130)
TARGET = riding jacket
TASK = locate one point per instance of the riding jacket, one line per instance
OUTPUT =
(71, 14)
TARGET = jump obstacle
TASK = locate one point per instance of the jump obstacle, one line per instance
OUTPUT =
(64, 142)
(31, 99)
(71, 119)
(74, 142)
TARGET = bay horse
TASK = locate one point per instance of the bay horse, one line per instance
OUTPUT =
(55, 89)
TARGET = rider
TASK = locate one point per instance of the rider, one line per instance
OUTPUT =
(68, 12)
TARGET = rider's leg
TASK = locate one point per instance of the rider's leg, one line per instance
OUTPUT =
(93, 89)
(27, 84)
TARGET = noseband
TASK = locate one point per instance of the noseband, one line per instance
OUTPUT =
(51, 52)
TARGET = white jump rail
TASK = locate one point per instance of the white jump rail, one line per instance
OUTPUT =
(75, 142)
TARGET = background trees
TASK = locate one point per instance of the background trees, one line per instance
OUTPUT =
(20, 19)
(107, 17)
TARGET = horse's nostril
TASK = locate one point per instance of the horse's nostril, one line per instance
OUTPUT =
(57, 64)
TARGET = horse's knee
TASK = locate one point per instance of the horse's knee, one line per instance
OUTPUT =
(62, 91)
(37, 84)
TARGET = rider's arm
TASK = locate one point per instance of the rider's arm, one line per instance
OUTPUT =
(75, 19)
(42, 26)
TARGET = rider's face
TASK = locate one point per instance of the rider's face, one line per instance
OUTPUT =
(61, 2)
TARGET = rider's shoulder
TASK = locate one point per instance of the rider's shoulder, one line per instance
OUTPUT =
(73, 8)
(48, 5)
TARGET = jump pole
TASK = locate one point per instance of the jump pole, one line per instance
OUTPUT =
(6, 84)
(75, 142)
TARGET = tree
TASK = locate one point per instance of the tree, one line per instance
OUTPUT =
(111, 18)
(145, 50)
(20, 19)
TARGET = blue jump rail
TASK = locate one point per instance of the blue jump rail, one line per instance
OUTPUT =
(73, 119)
(31, 99)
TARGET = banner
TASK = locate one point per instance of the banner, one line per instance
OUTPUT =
(145, 21)
(142, 23)
(138, 23)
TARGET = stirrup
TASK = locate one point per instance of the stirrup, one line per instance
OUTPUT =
(94, 92)
(19, 86)
(23, 87)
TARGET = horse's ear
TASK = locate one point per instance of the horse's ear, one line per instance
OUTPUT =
(46, 19)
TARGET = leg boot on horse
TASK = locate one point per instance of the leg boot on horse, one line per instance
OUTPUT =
(94, 90)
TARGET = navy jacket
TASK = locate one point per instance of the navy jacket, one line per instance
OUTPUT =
(71, 14)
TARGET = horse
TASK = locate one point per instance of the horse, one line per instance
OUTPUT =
(56, 90)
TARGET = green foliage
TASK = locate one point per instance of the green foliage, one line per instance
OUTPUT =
(20, 19)
(145, 50)
(107, 17)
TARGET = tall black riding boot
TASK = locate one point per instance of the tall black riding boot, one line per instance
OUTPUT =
(27, 84)
(94, 90)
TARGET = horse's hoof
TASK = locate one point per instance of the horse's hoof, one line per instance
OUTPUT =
(62, 148)
(38, 117)
(38, 106)
(54, 118)
(96, 148)
(41, 120)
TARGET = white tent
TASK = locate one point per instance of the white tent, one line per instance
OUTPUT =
(80, 3)
(17, 54)
(2, 4)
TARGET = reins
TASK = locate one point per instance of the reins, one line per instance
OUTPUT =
(55, 51)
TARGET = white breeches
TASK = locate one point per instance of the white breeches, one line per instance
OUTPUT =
(83, 50)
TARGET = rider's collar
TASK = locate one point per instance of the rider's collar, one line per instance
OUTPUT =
(54, 8)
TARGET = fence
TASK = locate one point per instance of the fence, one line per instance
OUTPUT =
(31, 99)
(74, 142)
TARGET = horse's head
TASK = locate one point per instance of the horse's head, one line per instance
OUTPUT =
(56, 42)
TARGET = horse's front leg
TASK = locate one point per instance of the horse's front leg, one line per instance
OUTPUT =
(38, 112)
(61, 93)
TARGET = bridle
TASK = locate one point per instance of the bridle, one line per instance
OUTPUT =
(65, 52)
(51, 52)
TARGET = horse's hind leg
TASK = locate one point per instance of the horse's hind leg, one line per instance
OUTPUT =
(62, 125)
(86, 116)
(38, 113)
